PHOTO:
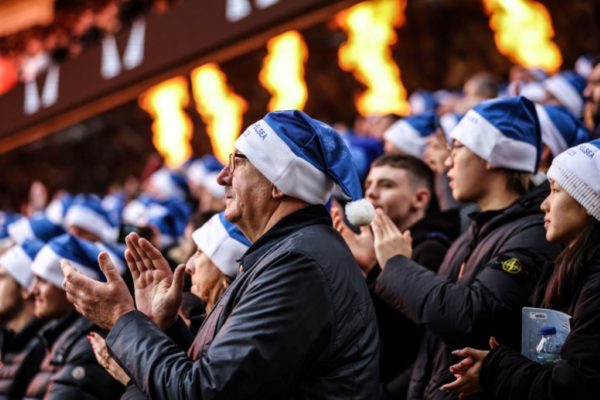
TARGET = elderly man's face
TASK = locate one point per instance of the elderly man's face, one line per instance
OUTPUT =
(247, 192)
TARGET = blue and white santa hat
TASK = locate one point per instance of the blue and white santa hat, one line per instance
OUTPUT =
(422, 101)
(6, 218)
(448, 122)
(58, 207)
(86, 212)
(222, 242)
(576, 171)
(170, 219)
(203, 172)
(18, 259)
(199, 169)
(567, 87)
(35, 227)
(560, 129)
(80, 253)
(409, 134)
(584, 65)
(166, 184)
(114, 203)
(505, 132)
(305, 158)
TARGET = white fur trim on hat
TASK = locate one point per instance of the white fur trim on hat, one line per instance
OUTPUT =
(406, 138)
(360, 212)
(85, 218)
(551, 136)
(18, 264)
(293, 175)
(162, 182)
(214, 241)
(568, 96)
(485, 140)
(20, 230)
(576, 171)
(47, 266)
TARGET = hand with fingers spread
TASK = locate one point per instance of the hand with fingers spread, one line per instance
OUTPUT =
(158, 291)
(467, 371)
(101, 302)
(360, 245)
(105, 360)
(389, 241)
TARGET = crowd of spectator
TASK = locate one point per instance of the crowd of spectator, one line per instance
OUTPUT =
(271, 277)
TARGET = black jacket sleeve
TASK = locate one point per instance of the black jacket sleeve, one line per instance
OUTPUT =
(456, 312)
(257, 353)
(508, 375)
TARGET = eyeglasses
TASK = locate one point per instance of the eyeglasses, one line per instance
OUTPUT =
(454, 145)
(232, 157)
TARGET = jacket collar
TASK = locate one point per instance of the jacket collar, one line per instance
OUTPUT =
(310, 215)
(529, 203)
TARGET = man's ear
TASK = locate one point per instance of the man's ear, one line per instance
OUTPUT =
(421, 199)
(276, 193)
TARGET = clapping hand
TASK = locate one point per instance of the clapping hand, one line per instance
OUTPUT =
(158, 291)
(389, 241)
(361, 244)
(101, 302)
(105, 360)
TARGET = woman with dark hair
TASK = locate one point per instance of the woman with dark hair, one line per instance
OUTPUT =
(572, 217)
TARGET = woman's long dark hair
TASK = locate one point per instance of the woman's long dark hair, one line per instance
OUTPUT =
(570, 267)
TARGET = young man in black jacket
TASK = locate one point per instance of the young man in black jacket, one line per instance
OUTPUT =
(401, 186)
(21, 350)
(488, 272)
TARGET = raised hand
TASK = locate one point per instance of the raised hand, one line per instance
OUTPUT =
(389, 241)
(361, 245)
(105, 360)
(101, 303)
(158, 290)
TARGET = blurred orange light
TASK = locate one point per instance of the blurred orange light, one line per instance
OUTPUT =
(367, 53)
(282, 73)
(171, 126)
(220, 108)
(523, 32)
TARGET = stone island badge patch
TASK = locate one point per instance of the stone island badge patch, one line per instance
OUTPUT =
(78, 373)
(512, 266)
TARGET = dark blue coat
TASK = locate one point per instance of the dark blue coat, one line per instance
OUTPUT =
(297, 323)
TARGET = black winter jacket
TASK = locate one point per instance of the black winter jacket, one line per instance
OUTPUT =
(507, 375)
(20, 357)
(400, 337)
(297, 323)
(69, 370)
(483, 282)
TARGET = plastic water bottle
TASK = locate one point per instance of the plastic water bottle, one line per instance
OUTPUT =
(547, 349)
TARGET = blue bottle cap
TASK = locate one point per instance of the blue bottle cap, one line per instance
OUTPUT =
(547, 330)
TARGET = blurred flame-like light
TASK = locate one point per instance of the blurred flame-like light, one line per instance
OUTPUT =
(367, 53)
(282, 73)
(171, 126)
(220, 108)
(523, 32)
